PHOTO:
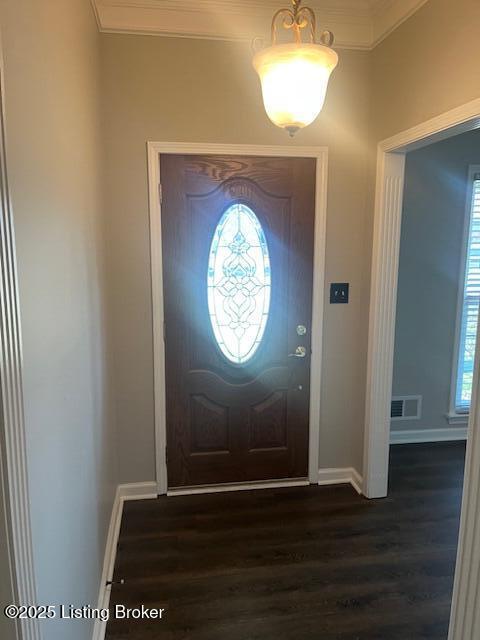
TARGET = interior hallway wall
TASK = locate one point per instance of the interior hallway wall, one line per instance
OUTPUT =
(167, 89)
(52, 77)
(426, 66)
(430, 267)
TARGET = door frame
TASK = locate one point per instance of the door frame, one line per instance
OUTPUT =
(320, 154)
(391, 154)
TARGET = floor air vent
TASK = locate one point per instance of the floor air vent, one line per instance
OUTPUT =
(406, 408)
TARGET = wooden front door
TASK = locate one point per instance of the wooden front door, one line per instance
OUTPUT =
(238, 235)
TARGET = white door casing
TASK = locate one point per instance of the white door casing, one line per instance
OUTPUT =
(155, 150)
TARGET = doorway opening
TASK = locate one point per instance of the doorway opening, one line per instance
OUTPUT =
(435, 335)
(385, 261)
(438, 293)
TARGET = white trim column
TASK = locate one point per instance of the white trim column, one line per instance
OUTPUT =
(17, 497)
(465, 618)
(383, 299)
(321, 188)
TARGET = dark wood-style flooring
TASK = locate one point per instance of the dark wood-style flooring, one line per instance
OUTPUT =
(307, 563)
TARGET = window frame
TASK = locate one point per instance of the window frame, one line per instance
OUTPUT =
(453, 416)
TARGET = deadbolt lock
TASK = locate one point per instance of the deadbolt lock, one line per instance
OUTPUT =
(301, 330)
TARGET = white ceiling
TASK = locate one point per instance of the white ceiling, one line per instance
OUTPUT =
(357, 24)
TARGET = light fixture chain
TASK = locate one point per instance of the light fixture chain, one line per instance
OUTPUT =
(297, 18)
(305, 17)
(288, 22)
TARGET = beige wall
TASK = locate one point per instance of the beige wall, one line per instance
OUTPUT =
(51, 51)
(427, 66)
(430, 266)
(197, 90)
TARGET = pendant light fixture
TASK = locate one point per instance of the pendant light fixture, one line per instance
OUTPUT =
(294, 76)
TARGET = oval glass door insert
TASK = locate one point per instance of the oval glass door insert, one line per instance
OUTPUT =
(239, 283)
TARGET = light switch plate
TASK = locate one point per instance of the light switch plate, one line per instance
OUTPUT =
(339, 292)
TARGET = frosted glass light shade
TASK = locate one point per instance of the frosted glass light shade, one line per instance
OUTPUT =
(294, 80)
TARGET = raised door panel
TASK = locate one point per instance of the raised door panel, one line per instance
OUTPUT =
(268, 423)
(209, 423)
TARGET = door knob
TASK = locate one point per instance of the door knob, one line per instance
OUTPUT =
(300, 352)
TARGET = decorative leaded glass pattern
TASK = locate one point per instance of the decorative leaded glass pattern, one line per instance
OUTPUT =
(239, 283)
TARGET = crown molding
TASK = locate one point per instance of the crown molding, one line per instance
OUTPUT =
(390, 14)
(95, 13)
(357, 24)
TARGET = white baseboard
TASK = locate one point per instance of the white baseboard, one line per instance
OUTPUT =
(239, 486)
(357, 481)
(346, 475)
(417, 436)
(138, 491)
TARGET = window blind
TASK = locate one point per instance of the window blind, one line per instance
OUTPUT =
(470, 306)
